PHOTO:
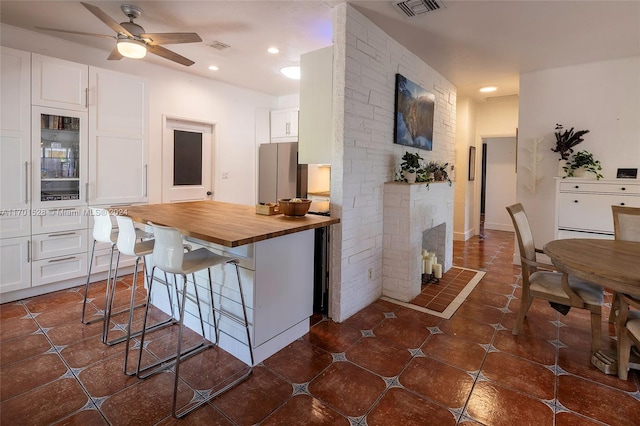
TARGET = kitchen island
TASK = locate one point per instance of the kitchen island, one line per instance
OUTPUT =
(276, 267)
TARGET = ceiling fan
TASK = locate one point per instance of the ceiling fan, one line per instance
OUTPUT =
(131, 39)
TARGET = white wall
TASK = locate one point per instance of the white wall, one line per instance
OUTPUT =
(464, 198)
(365, 63)
(500, 189)
(603, 97)
(238, 114)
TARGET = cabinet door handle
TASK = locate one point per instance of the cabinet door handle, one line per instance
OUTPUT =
(26, 182)
(146, 178)
(86, 97)
(62, 234)
(86, 192)
(62, 260)
(28, 251)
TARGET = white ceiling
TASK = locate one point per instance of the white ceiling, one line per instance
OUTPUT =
(471, 43)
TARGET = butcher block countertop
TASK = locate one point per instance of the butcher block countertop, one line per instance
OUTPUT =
(227, 224)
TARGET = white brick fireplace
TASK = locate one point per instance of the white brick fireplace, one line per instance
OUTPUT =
(415, 217)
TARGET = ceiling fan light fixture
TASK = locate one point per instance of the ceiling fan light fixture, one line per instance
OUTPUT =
(131, 48)
(291, 72)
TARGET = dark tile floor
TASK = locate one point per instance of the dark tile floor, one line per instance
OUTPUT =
(386, 365)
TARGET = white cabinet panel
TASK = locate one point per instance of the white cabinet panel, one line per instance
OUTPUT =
(583, 206)
(118, 138)
(58, 269)
(15, 269)
(58, 83)
(284, 125)
(15, 142)
(58, 220)
(59, 244)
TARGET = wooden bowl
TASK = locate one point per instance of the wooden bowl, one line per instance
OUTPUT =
(299, 207)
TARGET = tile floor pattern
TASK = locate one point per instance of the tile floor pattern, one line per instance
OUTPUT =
(386, 365)
(437, 296)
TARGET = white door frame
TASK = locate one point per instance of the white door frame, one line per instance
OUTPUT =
(169, 123)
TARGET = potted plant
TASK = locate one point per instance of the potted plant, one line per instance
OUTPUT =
(583, 162)
(436, 171)
(566, 140)
(411, 167)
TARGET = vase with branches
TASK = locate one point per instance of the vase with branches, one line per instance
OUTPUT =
(566, 140)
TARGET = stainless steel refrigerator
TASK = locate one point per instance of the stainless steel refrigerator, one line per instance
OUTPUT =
(279, 174)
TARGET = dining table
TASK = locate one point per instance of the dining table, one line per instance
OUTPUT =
(612, 264)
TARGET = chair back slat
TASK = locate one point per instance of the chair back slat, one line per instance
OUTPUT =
(523, 231)
(626, 223)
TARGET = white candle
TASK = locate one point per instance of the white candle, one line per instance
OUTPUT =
(434, 259)
(425, 253)
(427, 266)
(437, 270)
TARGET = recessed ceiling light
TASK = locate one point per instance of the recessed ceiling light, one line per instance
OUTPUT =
(487, 89)
(273, 50)
(291, 72)
(213, 68)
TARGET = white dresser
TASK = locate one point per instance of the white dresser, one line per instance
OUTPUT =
(583, 206)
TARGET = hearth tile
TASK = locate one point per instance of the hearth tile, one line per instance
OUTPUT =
(312, 410)
(406, 408)
(519, 374)
(30, 373)
(455, 351)
(381, 356)
(440, 382)
(348, 388)
(252, 400)
(45, 404)
(596, 401)
(332, 337)
(23, 347)
(299, 362)
(493, 404)
(526, 346)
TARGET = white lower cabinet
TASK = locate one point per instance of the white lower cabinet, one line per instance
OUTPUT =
(15, 266)
(58, 269)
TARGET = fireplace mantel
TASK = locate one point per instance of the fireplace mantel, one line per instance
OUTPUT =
(408, 211)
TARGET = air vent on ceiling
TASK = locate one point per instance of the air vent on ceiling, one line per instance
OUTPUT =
(412, 8)
(219, 45)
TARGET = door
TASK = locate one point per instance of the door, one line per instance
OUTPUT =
(499, 180)
(187, 165)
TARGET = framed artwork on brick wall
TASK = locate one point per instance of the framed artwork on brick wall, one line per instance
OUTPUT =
(414, 114)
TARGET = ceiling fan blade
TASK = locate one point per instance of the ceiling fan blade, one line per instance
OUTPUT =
(106, 19)
(170, 38)
(115, 54)
(77, 32)
(168, 54)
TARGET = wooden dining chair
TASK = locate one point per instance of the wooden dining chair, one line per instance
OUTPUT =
(628, 330)
(626, 227)
(540, 280)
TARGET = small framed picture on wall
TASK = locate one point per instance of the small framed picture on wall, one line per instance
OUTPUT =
(472, 163)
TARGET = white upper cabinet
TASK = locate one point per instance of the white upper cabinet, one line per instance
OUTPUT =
(58, 83)
(284, 125)
(15, 142)
(316, 107)
(117, 138)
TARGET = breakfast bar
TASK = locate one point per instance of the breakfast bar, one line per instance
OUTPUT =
(276, 256)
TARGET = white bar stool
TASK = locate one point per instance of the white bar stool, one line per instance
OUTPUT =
(169, 257)
(129, 244)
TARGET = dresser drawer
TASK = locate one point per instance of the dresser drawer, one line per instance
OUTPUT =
(58, 269)
(58, 244)
(590, 211)
(594, 187)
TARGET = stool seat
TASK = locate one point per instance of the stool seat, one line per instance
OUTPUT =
(169, 256)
